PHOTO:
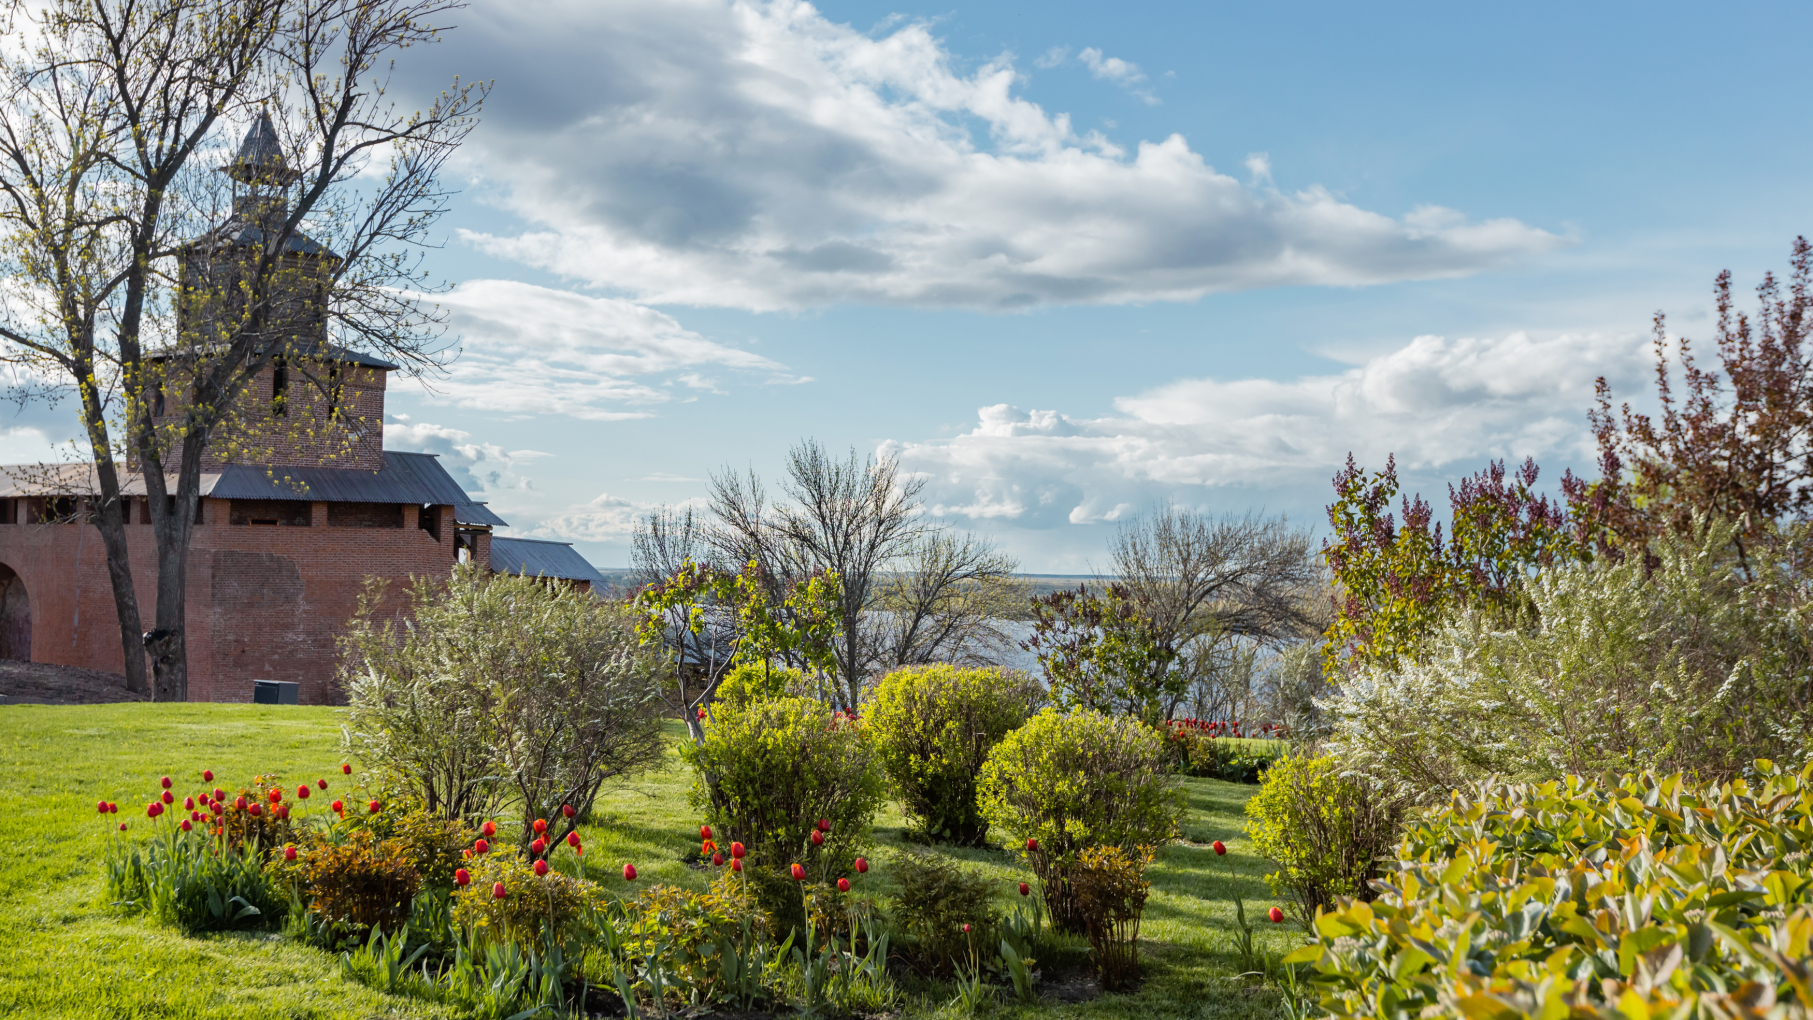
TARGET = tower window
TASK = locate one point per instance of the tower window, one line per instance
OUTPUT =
(280, 386)
(333, 390)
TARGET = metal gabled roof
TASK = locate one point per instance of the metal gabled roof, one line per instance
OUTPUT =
(534, 557)
(406, 478)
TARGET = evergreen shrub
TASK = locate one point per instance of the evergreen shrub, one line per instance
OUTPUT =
(1071, 781)
(1641, 896)
(937, 898)
(933, 728)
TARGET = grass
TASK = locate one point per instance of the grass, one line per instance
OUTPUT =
(69, 954)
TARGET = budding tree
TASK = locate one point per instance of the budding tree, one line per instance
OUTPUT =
(155, 289)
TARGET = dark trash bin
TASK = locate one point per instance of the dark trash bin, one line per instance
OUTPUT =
(273, 692)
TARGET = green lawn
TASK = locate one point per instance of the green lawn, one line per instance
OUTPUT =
(67, 954)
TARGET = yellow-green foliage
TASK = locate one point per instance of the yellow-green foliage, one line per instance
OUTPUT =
(1326, 833)
(531, 900)
(754, 681)
(767, 771)
(684, 929)
(1078, 780)
(933, 728)
(1647, 896)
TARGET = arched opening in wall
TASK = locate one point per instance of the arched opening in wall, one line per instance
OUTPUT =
(15, 616)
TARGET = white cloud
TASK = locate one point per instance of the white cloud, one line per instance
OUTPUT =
(480, 468)
(535, 350)
(605, 518)
(1441, 406)
(757, 155)
(1121, 72)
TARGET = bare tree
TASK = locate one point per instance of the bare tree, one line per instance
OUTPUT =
(1216, 589)
(852, 516)
(128, 286)
(944, 603)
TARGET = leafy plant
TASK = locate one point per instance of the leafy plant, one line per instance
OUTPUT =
(1063, 783)
(768, 772)
(194, 882)
(1100, 652)
(1328, 834)
(1644, 895)
(938, 900)
(933, 727)
(363, 882)
(1111, 889)
(531, 903)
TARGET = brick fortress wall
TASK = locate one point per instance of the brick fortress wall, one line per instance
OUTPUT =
(265, 601)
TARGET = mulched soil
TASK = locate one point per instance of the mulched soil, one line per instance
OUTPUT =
(41, 683)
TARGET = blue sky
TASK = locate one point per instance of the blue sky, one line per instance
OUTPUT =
(1070, 259)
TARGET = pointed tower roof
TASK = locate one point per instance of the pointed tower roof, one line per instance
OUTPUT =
(260, 159)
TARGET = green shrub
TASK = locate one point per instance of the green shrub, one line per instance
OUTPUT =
(1074, 781)
(1679, 665)
(754, 681)
(1327, 834)
(501, 688)
(768, 771)
(1230, 759)
(532, 903)
(937, 898)
(1111, 890)
(933, 728)
(682, 931)
(1644, 896)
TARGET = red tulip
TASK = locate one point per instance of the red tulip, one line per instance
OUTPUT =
(276, 795)
(736, 863)
(573, 839)
(567, 810)
(220, 794)
(122, 826)
(281, 811)
(289, 853)
(537, 847)
(818, 838)
(240, 803)
(481, 847)
(164, 782)
(629, 872)
(704, 832)
(338, 806)
(302, 792)
(497, 891)
(707, 847)
(207, 776)
(717, 860)
(1032, 846)
(1219, 849)
(578, 851)
(799, 872)
(321, 784)
(489, 828)
(100, 807)
(701, 713)
(188, 804)
(824, 825)
(737, 851)
(195, 816)
(540, 826)
(541, 868)
(169, 798)
(843, 885)
(112, 808)
(375, 807)
(347, 770)
(862, 865)
(1276, 915)
(255, 810)
(966, 929)
(462, 877)
(186, 825)
(1025, 890)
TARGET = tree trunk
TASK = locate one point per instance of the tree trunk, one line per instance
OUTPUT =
(110, 522)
